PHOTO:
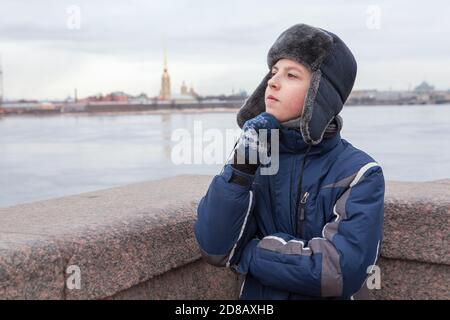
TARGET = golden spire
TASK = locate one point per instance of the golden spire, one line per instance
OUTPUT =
(165, 59)
(164, 93)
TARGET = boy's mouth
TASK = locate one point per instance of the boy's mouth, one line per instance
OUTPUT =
(271, 97)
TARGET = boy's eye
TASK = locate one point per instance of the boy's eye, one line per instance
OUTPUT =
(289, 74)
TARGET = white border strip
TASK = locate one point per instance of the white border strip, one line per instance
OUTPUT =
(362, 171)
(276, 238)
(242, 228)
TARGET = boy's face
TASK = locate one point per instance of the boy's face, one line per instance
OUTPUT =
(289, 85)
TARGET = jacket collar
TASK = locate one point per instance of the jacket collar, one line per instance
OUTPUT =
(291, 141)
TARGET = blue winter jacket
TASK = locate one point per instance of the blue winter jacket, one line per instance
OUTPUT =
(256, 230)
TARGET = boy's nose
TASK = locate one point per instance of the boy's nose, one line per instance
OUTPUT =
(273, 83)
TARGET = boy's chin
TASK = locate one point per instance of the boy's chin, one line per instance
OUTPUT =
(272, 110)
(275, 113)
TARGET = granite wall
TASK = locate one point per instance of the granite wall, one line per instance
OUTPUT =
(137, 242)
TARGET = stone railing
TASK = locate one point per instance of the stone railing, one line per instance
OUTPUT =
(137, 242)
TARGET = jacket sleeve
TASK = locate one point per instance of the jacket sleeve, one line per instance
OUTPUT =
(225, 223)
(336, 264)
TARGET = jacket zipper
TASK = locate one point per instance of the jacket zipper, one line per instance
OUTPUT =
(301, 215)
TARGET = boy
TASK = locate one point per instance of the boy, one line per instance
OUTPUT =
(313, 228)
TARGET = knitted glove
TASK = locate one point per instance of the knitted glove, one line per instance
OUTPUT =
(252, 144)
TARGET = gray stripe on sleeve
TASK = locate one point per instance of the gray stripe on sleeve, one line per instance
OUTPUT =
(292, 247)
(218, 260)
(344, 182)
(331, 228)
(332, 281)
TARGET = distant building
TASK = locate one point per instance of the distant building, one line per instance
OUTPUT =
(116, 96)
(164, 93)
(424, 93)
(98, 97)
(424, 87)
(1, 83)
(31, 106)
(184, 88)
(361, 97)
(185, 95)
(142, 98)
(440, 97)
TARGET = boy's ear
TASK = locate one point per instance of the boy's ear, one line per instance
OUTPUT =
(254, 104)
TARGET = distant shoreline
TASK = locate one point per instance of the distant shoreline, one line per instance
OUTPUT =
(96, 113)
(175, 110)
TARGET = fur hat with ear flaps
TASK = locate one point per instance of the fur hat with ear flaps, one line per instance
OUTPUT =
(333, 69)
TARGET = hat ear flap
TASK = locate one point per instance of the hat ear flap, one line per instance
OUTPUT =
(255, 103)
(317, 113)
(308, 107)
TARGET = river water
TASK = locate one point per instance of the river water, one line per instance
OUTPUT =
(44, 157)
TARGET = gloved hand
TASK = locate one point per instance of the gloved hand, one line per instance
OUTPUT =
(253, 142)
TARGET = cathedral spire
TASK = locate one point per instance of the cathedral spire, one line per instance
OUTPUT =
(1, 81)
(165, 59)
(164, 93)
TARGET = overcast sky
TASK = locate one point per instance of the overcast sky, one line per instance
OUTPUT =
(48, 48)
